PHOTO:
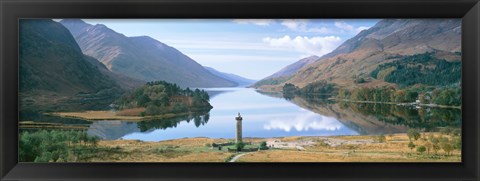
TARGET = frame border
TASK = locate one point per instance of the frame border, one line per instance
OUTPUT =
(12, 10)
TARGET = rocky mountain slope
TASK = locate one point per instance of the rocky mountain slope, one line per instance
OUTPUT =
(389, 40)
(141, 57)
(55, 74)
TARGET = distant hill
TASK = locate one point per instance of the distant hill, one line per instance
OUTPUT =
(351, 64)
(294, 67)
(284, 74)
(241, 81)
(55, 74)
(141, 57)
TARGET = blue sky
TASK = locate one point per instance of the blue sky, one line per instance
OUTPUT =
(252, 48)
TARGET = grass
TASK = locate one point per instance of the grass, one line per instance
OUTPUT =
(180, 150)
(394, 149)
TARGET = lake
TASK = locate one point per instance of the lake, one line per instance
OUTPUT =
(271, 115)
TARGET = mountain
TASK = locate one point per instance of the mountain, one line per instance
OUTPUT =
(55, 74)
(241, 81)
(294, 67)
(390, 40)
(284, 74)
(141, 57)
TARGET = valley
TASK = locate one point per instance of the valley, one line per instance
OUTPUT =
(389, 93)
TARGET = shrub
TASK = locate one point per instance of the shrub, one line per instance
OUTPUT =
(263, 145)
(411, 145)
(382, 138)
(457, 143)
(421, 149)
(239, 146)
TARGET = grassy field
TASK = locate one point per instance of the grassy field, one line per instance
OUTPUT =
(299, 149)
(181, 150)
(393, 149)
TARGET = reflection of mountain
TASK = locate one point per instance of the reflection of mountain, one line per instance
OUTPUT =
(363, 124)
(382, 118)
(214, 93)
(112, 130)
(422, 118)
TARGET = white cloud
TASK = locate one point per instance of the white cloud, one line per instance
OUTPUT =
(259, 22)
(295, 24)
(301, 25)
(349, 28)
(344, 26)
(315, 45)
(221, 45)
(361, 28)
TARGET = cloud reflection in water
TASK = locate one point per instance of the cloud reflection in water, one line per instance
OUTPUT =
(304, 122)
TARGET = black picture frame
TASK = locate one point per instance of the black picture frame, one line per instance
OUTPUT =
(12, 10)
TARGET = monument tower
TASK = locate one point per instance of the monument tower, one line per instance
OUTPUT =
(239, 129)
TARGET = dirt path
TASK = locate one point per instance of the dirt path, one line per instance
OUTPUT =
(236, 157)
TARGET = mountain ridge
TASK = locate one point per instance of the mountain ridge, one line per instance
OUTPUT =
(386, 41)
(241, 81)
(55, 74)
(141, 57)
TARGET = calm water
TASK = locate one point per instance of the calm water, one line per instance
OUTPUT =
(263, 116)
(267, 115)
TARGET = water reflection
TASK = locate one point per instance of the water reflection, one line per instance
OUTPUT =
(273, 115)
(367, 118)
(112, 130)
(116, 129)
(304, 122)
(425, 118)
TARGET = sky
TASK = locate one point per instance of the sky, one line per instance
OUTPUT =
(252, 48)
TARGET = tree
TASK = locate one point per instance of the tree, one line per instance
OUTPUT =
(428, 146)
(447, 147)
(413, 133)
(411, 96)
(435, 143)
(239, 146)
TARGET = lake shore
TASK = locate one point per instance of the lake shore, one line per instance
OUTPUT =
(285, 149)
(112, 115)
(398, 103)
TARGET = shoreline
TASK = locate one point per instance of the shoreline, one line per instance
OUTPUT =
(111, 115)
(398, 103)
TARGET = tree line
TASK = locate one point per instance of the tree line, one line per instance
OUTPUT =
(451, 96)
(55, 145)
(158, 98)
(420, 69)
